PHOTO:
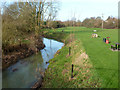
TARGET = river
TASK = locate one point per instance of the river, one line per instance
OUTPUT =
(27, 71)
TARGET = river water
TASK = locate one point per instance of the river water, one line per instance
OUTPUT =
(27, 71)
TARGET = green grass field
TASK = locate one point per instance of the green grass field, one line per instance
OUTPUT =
(103, 72)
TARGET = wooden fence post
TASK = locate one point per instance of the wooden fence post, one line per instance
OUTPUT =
(72, 72)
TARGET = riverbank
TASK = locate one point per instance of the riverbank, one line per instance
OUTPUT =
(58, 74)
(13, 53)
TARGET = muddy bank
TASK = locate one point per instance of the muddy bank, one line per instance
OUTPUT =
(38, 83)
(13, 53)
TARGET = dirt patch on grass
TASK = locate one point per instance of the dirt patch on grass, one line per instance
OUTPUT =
(81, 60)
(82, 63)
(64, 71)
(82, 71)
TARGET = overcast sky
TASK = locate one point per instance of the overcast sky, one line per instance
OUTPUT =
(82, 9)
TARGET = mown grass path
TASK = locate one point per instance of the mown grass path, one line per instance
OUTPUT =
(104, 60)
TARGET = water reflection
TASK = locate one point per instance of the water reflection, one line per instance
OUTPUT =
(25, 72)
(51, 48)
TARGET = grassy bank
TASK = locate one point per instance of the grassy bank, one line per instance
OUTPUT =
(95, 65)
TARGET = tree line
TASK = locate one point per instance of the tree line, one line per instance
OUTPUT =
(109, 23)
(93, 22)
(21, 19)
